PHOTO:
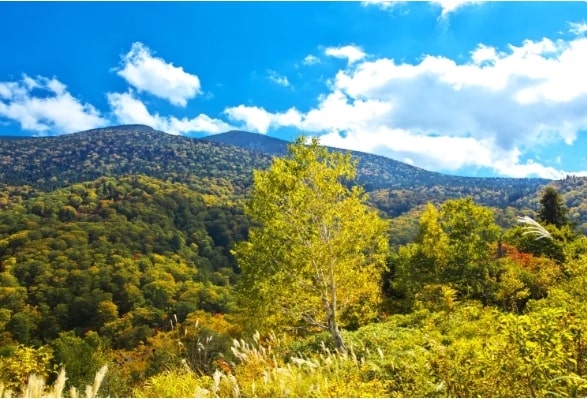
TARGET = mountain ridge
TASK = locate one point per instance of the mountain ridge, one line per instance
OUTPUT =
(414, 175)
(276, 146)
(223, 164)
(259, 143)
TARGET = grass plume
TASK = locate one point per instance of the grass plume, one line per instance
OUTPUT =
(534, 228)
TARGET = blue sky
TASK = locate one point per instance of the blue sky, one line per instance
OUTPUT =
(460, 87)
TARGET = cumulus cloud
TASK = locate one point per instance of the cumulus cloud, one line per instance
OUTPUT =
(279, 79)
(145, 72)
(524, 92)
(351, 53)
(129, 110)
(49, 109)
(486, 112)
(259, 120)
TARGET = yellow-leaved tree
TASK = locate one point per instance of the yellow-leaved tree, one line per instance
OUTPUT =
(315, 253)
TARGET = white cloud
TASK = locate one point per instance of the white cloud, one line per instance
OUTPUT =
(486, 112)
(156, 76)
(279, 79)
(578, 28)
(55, 111)
(351, 53)
(338, 112)
(130, 110)
(447, 6)
(311, 60)
(259, 120)
(383, 4)
(536, 87)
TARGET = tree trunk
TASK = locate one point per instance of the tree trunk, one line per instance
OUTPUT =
(331, 308)
(336, 335)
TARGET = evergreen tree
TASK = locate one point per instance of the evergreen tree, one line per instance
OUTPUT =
(552, 209)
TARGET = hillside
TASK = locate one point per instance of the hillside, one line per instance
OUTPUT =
(398, 188)
(378, 172)
(251, 141)
(48, 163)
(134, 242)
(223, 164)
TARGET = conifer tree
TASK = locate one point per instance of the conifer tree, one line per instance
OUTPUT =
(552, 209)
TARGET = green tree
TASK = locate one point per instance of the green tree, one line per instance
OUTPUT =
(16, 369)
(552, 210)
(421, 262)
(471, 231)
(315, 252)
(81, 357)
(454, 246)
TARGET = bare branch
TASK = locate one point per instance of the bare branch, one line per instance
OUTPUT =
(311, 321)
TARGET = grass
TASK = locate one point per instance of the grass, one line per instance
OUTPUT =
(36, 387)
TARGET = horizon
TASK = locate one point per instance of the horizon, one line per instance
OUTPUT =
(462, 88)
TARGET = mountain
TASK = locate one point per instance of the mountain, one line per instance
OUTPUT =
(391, 179)
(47, 163)
(380, 171)
(251, 141)
(222, 165)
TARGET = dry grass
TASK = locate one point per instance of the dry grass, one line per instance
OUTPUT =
(36, 387)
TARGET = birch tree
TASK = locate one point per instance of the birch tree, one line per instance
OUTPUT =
(315, 253)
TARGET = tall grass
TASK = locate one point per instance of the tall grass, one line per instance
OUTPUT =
(36, 387)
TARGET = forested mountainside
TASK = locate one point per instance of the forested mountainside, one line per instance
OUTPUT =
(223, 164)
(377, 172)
(47, 163)
(106, 265)
(81, 253)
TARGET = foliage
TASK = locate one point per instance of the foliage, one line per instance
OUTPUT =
(81, 358)
(552, 210)
(201, 343)
(137, 251)
(454, 247)
(174, 383)
(558, 247)
(315, 241)
(16, 368)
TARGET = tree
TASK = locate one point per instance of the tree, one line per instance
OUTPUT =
(552, 209)
(315, 253)
(422, 261)
(471, 231)
(556, 224)
(453, 247)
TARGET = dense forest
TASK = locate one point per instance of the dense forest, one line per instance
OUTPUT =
(225, 162)
(139, 264)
